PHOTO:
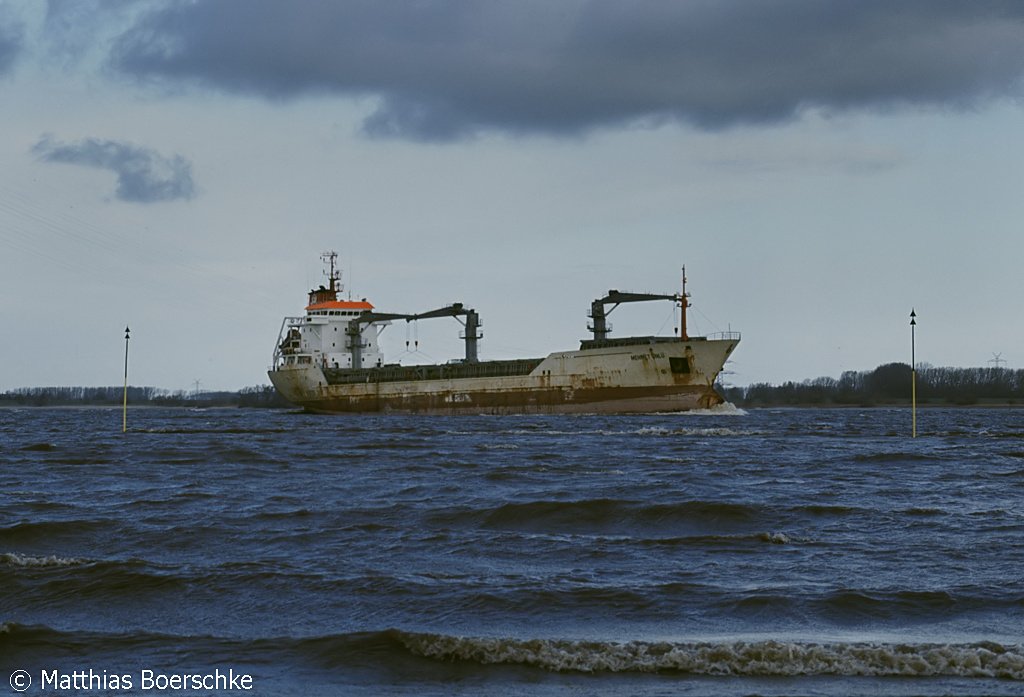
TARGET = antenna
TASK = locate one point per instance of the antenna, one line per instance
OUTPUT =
(334, 275)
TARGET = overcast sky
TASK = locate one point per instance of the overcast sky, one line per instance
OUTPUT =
(821, 167)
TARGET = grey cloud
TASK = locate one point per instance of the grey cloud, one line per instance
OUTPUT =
(143, 175)
(446, 69)
(11, 44)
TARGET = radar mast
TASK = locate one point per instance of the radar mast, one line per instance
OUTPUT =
(334, 274)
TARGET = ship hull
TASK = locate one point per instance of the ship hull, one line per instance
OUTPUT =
(652, 376)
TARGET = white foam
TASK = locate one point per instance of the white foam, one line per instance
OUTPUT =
(776, 538)
(643, 431)
(14, 559)
(723, 409)
(684, 431)
(982, 660)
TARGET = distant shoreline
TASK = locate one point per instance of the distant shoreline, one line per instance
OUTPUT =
(886, 387)
(745, 407)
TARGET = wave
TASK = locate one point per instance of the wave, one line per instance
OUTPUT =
(196, 430)
(628, 516)
(923, 512)
(14, 559)
(61, 455)
(39, 447)
(723, 409)
(695, 422)
(896, 456)
(398, 651)
(55, 579)
(589, 514)
(912, 604)
(124, 578)
(829, 510)
(50, 530)
(688, 431)
(393, 445)
(497, 446)
(775, 538)
(748, 658)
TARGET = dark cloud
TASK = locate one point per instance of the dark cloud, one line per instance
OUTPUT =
(445, 69)
(143, 175)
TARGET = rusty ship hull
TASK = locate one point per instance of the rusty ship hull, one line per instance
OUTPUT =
(628, 375)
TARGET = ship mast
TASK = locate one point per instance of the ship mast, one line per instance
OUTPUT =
(334, 276)
(684, 304)
(324, 295)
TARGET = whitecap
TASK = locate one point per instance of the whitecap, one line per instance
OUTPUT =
(750, 658)
(776, 538)
(14, 559)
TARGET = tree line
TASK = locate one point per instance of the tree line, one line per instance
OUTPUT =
(258, 396)
(890, 384)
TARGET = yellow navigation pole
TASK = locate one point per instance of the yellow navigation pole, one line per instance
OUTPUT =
(913, 376)
(124, 419)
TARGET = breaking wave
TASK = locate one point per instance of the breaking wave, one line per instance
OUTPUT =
(393, 649)
(723, 409)
(750, 658)
(14, 559)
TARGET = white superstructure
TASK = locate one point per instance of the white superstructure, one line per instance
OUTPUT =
(322, 337)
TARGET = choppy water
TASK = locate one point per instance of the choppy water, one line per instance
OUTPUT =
(773, 552)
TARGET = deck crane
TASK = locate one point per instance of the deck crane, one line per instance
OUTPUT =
(472, 324)
(600, 325)
(354, 331)
(471, 334)
(599, 315)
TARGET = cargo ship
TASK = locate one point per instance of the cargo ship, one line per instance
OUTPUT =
(330, 360)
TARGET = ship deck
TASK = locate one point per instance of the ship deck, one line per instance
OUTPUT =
(445, 371)
(635, 341)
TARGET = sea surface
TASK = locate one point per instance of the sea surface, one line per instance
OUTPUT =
(728, 552)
